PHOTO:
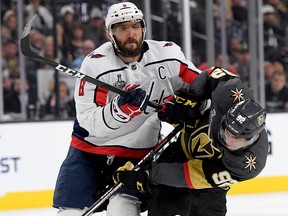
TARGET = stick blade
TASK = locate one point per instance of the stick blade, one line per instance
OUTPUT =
(25, 39)
(28, 27)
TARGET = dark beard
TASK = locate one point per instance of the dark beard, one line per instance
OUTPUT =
(128, 52)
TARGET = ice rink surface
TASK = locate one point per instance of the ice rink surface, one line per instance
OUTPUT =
(272, 204)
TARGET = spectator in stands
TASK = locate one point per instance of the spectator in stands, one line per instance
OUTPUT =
(284, 57)
(7, 92)
(234, 48)
(277, 90)
(9, 27)
(66, 107)
(10, 60)
(273, 33)
(268, 71)
(281, 11)
(13, 103)
(72, 47)
(238, 26)
(47, 51)
(44, 20)
(239, 11)
(37, 40)
(95, 30)
(243, 65)
(67, 18)
(88, 47)
(12, 99)
(233, 29)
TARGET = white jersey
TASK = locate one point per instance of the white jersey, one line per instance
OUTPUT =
(161, 70)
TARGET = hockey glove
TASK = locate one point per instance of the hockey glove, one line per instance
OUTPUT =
(131, 179)
(182, 107)
(124, 108)
(128, 166)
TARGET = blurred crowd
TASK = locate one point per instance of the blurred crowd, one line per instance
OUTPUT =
(74, 40)
(76, 37)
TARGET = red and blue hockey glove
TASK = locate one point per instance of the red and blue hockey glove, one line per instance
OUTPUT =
(182, 107)
(124, 108)
(131, 179)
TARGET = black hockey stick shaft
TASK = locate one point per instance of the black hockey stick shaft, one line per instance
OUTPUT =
(27, 51)
(146, 159)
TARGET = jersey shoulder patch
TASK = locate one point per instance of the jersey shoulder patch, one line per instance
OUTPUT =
(199, 145)
(168, 44)
(96, 55)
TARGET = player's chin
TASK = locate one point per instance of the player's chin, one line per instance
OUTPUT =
(132, 52)
(232, 148)
(131, 46)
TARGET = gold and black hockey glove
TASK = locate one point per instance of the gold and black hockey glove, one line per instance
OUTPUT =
(183, 107)
(132, 179)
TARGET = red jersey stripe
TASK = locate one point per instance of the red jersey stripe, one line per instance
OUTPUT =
(101, 96)
(187, 176)
(108, 150)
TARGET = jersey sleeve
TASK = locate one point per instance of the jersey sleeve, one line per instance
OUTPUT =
(182, 175)
(194, 174)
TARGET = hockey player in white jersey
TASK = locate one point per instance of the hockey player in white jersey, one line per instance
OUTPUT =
(111, 129)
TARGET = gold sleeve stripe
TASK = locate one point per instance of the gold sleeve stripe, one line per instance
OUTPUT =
(196, 177)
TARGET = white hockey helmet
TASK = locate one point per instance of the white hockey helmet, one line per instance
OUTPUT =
(123, 12)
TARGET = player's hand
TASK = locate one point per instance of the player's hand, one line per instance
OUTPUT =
(124, 108)
(131, 179)
(181, 107)
(127, 166)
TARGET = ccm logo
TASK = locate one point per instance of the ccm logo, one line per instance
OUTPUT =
(185, 102)
(69, 71)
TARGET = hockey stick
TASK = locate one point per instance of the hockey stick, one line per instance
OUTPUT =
(27, 51)
(144, 160)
